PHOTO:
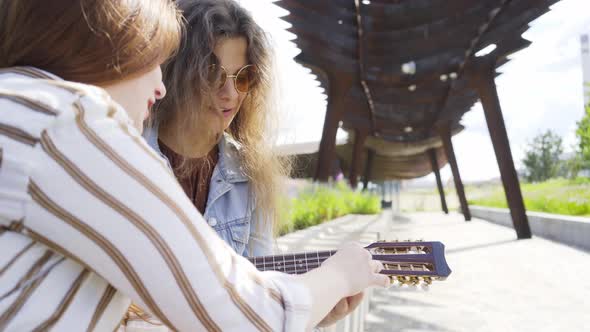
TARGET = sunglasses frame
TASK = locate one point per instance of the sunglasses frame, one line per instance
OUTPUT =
(234, 77)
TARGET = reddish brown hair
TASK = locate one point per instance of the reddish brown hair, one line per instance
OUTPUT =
(89, 41)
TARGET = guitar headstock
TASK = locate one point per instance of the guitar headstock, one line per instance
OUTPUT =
(411, 262)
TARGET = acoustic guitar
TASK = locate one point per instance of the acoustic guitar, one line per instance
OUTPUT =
(406, 263)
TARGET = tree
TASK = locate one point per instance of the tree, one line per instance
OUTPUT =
(542, 157)
(583, 135)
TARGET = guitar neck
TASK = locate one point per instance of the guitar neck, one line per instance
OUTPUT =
(408, 261)
(291, 263)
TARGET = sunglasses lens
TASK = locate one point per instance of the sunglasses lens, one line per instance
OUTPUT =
(245, 79)
(217, 76)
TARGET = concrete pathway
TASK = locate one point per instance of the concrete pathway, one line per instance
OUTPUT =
(329, 235)
(497, 284)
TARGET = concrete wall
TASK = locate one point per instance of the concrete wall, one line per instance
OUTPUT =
(573, 231)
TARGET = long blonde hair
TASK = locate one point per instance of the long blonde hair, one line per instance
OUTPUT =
(255, 125)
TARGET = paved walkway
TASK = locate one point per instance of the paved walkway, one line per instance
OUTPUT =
(497, 284)
(329, 235)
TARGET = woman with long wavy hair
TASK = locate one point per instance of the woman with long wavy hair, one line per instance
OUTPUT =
(216, 126)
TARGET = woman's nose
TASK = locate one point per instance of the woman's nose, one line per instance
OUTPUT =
(228, 90)
(161, 91)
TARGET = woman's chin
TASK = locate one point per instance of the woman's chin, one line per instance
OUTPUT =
(218, 138)
(228, 122)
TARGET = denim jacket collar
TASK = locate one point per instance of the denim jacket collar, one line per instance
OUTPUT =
(228, 164)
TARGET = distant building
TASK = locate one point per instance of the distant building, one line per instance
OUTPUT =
(586, 67)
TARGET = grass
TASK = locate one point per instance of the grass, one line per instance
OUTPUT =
(422, 199)
(317, 204)
(560, 196)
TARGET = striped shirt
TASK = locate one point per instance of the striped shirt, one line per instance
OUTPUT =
(84, 230)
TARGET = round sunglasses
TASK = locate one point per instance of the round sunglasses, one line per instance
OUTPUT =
(244, 80)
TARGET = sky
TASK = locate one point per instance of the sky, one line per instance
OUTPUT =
(540, 89)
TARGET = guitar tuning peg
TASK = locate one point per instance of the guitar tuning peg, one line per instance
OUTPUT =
(414, 280)
(405, 280)
(395, 282)
(427, 280)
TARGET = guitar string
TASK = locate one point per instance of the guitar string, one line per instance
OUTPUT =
(296, 259)
(296, 266)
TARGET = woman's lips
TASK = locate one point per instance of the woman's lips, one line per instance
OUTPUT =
(227, 112)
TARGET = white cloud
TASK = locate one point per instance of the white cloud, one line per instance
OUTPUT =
(303, 103)
(540, 89)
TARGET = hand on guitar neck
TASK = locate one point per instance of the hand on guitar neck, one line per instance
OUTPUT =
(409, 263)
(346, 273)
(353, 268)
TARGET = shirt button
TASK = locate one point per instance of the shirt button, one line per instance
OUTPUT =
(212, 221)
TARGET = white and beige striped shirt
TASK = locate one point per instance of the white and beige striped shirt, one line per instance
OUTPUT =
(91, 220)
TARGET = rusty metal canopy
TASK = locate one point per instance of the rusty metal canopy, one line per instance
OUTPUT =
(393, 160)
(406, 59)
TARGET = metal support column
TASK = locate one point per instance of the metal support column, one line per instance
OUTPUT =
(445, 133)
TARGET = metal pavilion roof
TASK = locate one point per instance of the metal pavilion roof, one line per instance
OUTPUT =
(396, 70)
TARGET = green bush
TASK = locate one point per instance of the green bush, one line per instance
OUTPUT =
(560, 196)
(317, 204)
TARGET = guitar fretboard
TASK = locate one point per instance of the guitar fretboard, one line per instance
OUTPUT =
(291, 263)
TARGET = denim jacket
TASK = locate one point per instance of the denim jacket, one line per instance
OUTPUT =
(230, 204)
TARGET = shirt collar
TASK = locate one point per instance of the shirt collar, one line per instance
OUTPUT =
(229, 163)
